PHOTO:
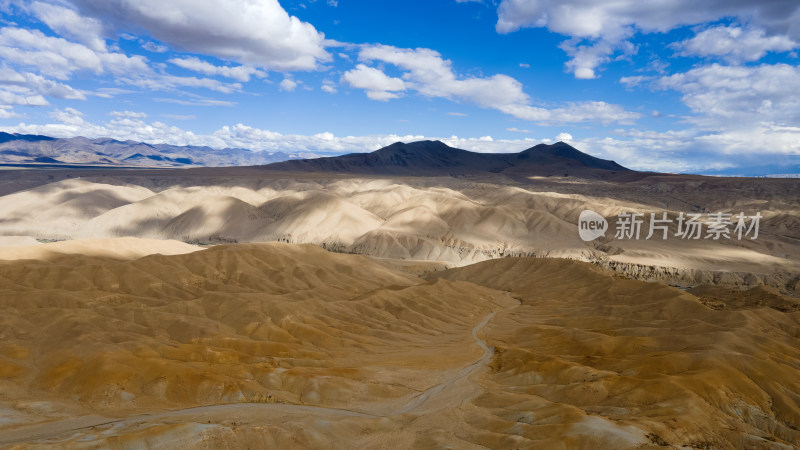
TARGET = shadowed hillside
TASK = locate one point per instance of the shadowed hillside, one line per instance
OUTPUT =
(434, 158)
(291, 346)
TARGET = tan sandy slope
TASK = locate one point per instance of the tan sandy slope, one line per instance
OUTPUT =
(115, 248)
(291, 346)
(456, 221)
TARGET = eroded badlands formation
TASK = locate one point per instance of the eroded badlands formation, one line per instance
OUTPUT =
(290, 345)
(351, 302)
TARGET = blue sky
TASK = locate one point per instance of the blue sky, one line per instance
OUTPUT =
(679, 85)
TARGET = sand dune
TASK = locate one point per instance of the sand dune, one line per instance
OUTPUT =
(290, 345)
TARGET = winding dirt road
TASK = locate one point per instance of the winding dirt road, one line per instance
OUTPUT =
(440, 394)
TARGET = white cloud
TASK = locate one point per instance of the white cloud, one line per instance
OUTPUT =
(68, 116)
(732, 96)
(734, 44)
(329, 88)
(56, 57)
(378, 85)
(695, 150)
(7, 112)
(129, 114)
(288, 85)
(59, 58)
(602, 112)
(10, 98)
(564, 137)
(180, 116)
(635, 80)
(676, 151)
(585, 59)
(252, 32)
(24, 88)
(197, 101)
(747, 111)
(430, 75)
(433, 76)
(239, 73)
(457, 114)
(757, 140)
(525, 65)
(70, 123)
(67, 22)
(517, 130)
(155, 48)
(600, 29)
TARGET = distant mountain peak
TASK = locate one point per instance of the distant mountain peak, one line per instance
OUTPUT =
(25, 149)
(416, 147)
(435, 158)
(549, 154)
(8, 137)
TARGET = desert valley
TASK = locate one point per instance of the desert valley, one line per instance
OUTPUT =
(361, 301)
(350, 224)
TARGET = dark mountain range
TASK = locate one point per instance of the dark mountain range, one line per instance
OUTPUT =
(422, 158)
(25, 149)
(431, 158)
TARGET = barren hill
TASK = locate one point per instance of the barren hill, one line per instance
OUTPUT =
(35, 150)
(289, 345)
(434, 158)
(451, 220)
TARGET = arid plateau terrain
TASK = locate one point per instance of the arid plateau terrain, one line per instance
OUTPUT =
(414, 297)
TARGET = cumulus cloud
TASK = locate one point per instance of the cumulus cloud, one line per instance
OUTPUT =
(67, 22)
(378, 85)
(635, 80)
(33, 59)
(59, 58)
(585, 59)
(745, 110)
(564, 137)
(288, 85)
(68, 116)
(737, 95)
(7, 112)
(600, 29)
(735, 44)
(70, 122)
(239, 73)
(25, 88)
(741, 115)
(426, 72)
(253, 32)
(329, 88)
(666, 151)
(694, 150)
